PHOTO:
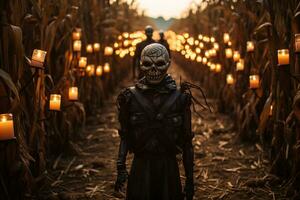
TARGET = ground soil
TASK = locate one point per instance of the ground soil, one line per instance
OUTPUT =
(225, 168)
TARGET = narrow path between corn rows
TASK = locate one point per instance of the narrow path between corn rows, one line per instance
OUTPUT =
(224, 168)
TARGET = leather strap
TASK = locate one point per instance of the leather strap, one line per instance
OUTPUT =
(165, 108)
(148, 107)
(145, 103)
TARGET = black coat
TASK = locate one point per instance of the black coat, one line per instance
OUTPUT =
(154, 173)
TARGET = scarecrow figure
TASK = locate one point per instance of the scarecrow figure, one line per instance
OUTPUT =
(155, 119)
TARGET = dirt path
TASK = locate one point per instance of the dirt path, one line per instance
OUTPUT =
(224, 169)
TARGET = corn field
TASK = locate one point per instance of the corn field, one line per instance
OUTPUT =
(61, 59)
(41, 133)
(267, 112)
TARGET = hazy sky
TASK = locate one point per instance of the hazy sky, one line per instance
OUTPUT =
(165, 8)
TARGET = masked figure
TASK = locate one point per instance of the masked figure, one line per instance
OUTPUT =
(155, 121)
(139, 48)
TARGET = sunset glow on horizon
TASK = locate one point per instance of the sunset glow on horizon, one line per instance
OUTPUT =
(164, 8)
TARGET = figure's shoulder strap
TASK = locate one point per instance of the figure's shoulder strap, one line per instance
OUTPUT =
(167, 105)
(149, 108)
(144, 102)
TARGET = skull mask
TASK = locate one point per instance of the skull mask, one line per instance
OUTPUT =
(155, 62)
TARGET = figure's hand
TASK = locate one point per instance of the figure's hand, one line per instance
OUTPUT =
(121, 179)
(189, 189)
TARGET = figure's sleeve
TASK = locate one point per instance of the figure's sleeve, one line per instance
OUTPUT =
(168, 48)
(188, 150)
(137, 55)
(122, 103)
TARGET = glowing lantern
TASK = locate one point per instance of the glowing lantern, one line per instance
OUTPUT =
(55, 101)
(218, 68)
(236, 56)
(106, 68)
(212, 52)
(226, 38)
(229, 79)
(108, 51)
(186, 35)
(207, 54)
(6, 127)
(216, 46)
(254, 81)
(212, 67)
(76, 35)
(38, 58)
(126, 43)
(116, 45)
(240, 65)
(193, 56)
(82, 62)
(89, 48)
(77, 45)
(204, 60)
(283, 57)
(96, 47)
(250, 46)
(199, 59)
(99, 71)
(125, 35)
(228, 53)
(73, 93)
(201, 45)
(206, 39)
(90, 70)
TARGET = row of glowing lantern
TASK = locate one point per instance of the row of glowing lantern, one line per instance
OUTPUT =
(184, 44)
(90, 48)
(91, 70)
(37, 60)
(126, 44)
(185, 49)
(7, 122)
(200, 42)
(254, 80)
(282, 54)
(229, 53)
(283, 59)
